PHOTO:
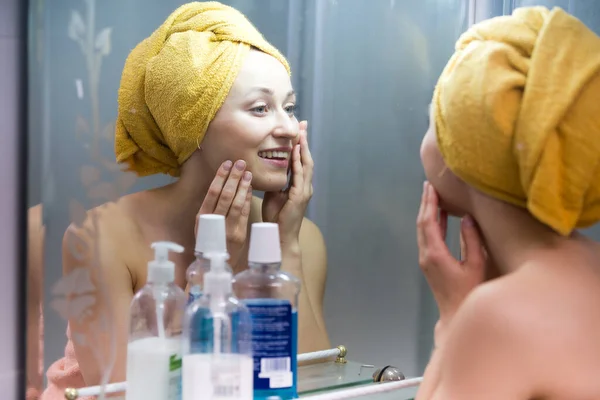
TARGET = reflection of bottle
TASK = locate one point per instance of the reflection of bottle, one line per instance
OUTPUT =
(217, 340)
(210, 238)
(272, 297)
(154, 349)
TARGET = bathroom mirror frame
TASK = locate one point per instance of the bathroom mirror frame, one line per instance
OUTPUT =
(13, 196)
(318, 47)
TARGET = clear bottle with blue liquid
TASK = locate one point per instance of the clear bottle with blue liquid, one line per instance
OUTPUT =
(210, 238)
(217, 340)
(271, 295)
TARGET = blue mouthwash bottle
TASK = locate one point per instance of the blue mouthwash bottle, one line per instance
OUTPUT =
(210, 238)
(271, 295)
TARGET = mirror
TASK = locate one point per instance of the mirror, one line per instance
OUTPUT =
(363, 72)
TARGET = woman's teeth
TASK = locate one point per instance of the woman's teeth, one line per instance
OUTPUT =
(274, 154)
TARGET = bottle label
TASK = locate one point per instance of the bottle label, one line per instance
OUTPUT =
(223, 377)
(272, 345)
(175, 377)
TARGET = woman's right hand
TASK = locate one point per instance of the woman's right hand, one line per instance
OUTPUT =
(230, 194)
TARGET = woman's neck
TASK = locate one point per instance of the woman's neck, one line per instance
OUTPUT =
(185, 196)
(511, 235)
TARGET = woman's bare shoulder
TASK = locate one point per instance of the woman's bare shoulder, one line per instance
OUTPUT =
(312, 243)
(109, 229)
(310, 234)
(549, 294)
(110, 218)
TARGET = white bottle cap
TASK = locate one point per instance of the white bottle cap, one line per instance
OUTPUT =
(210, 237)
(161, 269)
(264, 244)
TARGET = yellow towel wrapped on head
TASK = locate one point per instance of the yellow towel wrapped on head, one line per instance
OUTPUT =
(175, 81)
(517, 111)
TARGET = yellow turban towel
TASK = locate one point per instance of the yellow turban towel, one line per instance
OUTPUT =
(517, 111)
(175, 81)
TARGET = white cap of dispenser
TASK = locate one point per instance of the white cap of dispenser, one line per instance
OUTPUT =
(210, 236)
(217, 281)
(264, 244)
(161, 269)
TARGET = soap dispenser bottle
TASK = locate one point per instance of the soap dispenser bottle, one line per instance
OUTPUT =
(271, 295)
(210, 238)
(154, 348)
(217, 340)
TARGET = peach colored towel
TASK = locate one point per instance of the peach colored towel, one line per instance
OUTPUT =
(64, 373)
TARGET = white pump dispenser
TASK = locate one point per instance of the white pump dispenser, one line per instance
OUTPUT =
(217, 285)
(154, 348)
(161, 269)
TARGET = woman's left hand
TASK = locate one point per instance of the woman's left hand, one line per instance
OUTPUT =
(450, 280)
(288, 206)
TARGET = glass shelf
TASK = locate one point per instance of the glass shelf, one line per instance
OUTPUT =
(400, 394)
(330, 375)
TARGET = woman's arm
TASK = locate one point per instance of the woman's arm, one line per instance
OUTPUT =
(99, 332)
(307, 260)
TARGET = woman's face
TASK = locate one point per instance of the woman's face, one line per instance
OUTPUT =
(256, 123)
(452, 191)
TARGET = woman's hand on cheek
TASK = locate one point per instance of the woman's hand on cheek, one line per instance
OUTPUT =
(230, 194)
(287, 207)
(450, 280)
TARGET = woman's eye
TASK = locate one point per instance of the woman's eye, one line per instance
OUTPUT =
(291, 110)
(260, 109)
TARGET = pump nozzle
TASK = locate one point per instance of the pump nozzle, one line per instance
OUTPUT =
(217, 285)
(217, 281)
(218, 262)
(161, 250)
(161, 269)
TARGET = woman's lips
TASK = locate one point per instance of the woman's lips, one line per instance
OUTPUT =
(278, 158)
(276, 162)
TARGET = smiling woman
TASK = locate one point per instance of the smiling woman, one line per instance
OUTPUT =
(189, 106)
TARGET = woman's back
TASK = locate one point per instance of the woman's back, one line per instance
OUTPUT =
(556, 300)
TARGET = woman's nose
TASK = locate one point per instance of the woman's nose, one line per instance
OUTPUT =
(286, 127)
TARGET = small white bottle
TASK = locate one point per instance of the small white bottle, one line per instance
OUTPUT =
(217, 340)
(210, 238)
(154, 348)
